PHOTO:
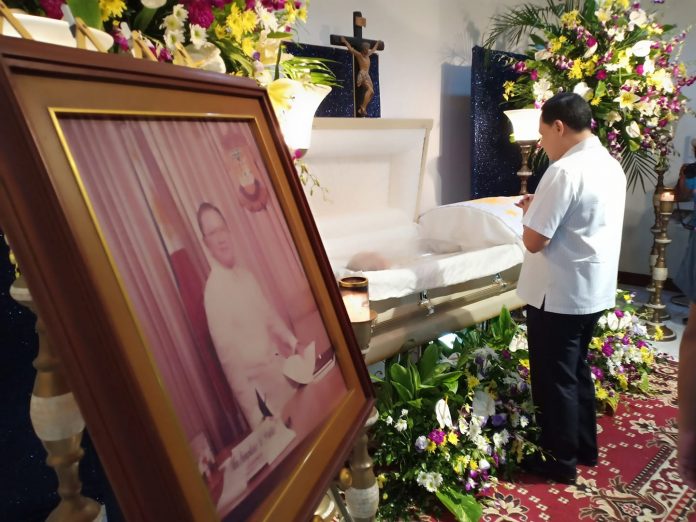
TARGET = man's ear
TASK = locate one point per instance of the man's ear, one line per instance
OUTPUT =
(559, 127)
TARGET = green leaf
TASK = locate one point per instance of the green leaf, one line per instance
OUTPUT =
(280, 35)
(601, 89)
(88, 10)
(415, 378)
(404, 393)
(399, 374)
(463, 507)
(428, 361)
(143, 18)
(644, 383)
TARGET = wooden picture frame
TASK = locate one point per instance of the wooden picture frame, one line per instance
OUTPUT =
(137, 197)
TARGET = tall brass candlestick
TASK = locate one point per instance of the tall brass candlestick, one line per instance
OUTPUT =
(655, 323)
(58, 423)
(656, 230)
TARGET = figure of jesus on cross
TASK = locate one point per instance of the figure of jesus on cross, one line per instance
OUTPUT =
(361, 50)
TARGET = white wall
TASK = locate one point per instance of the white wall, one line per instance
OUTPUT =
(425, 72)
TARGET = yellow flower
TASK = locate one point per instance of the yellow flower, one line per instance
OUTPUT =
(234, 22)
(659, 334)
(554, 45)
(627, 298)
(385, 496)
(525, 363)
(248, 46)
(508, 87)
(623, 4)
(589, 67)
(596, 343)
(302, 14)
(460, 463)
(601, 393)
(431, 446)
(472, 381)
(473, 465)
(221, 32)
(381, 480)
(623, 382)
(626, 100)
(292, 12)
(647, 356)
(575, 72)
(111, 8)
(570, 18)
(452, 438)
(249, 21)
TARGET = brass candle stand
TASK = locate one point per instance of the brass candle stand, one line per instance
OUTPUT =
(656, 230)
(362, 498)
(655, 306)
(525, 171)
(58, 423)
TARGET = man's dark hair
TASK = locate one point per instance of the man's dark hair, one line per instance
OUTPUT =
(205, 207)
(570, 108)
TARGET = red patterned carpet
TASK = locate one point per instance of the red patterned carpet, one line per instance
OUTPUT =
(636, 479)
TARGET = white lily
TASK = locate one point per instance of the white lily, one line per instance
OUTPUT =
(442, 412)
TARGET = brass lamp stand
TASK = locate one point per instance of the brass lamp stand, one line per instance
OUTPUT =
(525, 128)
(58, 423)
(656, 230)
(659, 272)
(362, 498)
(525, 171)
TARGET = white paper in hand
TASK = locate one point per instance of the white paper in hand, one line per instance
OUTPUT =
(300, 367)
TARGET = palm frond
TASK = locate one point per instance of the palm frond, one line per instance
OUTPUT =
(515, 23)
(639, 166)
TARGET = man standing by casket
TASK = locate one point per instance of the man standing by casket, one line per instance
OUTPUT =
(572, 231)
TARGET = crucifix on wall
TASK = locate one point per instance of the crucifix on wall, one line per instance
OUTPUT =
(361, 49)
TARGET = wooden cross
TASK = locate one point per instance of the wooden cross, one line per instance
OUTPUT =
(356, 40)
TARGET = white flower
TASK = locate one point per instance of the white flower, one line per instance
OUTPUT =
(268, 19)
(626, 100)
(602, 322)
(612, 320)
(641, 49)
(180, 12)
(171, 38)
(430, 481)
(603, 15)
(519, 342)
(462, 424)
(404, 413)
(389, 421)
(442, 412)
(662, 80)
(483, 464)
(639, 329)
(452, 360)
(633, 131)
(543, 54)
(198, 36)
(590, 51)
(638, 17)
(483, 404)
(474, 428)
(648, 66)
(501, 438)
(583, 90)
(172, 23)
(125, 31)
(625, 321)
(524, 421)
(207, 57)
(153, 4)
(542, 89)
(401, 425)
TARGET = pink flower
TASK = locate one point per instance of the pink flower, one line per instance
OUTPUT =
(534, 75)
(639, 69)
(437, 436)
(520, 67)
(52, 8)
(601, 74)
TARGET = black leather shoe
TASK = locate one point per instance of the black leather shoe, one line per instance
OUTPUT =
(549, 470)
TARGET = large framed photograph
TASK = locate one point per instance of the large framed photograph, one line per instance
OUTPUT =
(162, 230)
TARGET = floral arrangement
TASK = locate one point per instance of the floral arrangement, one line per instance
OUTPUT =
(241, 37)
(618, 57)
(620, 355)
(453, 422)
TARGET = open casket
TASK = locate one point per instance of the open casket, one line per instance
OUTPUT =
(443, 270)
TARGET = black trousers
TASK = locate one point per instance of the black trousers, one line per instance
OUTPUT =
(562, 387)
